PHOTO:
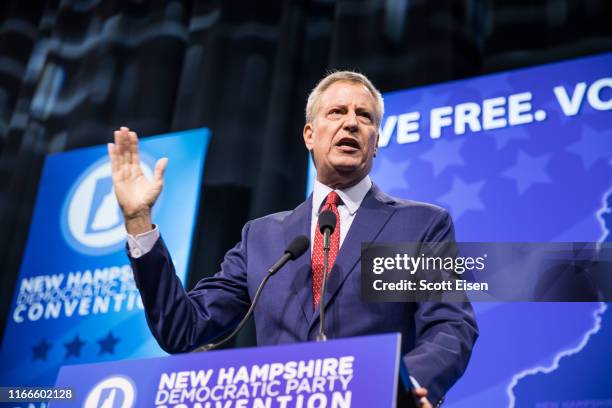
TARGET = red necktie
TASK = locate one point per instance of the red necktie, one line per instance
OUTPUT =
(331, 203)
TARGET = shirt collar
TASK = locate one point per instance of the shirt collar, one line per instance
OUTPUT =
(351, 197)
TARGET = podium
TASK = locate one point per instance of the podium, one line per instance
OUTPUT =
(352, 372)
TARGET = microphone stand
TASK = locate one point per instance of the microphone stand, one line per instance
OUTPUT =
(296, 248)
(210, 346)
(326, 245)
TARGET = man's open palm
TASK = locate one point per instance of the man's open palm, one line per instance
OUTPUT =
(135, 193)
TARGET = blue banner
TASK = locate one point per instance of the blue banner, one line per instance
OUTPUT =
(519, 156)
(357, 372)
(75, 300)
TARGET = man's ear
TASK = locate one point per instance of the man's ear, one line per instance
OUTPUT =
(308, 136)
(376, 146)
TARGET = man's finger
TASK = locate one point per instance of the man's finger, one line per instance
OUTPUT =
(125, 151)
(117, 150)
(421, 394)
(133, 139)
(118, 154)
(112, 154)
(424, 403)
(160, 169)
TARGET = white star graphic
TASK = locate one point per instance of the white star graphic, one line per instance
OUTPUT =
(528, 170)
(389, 175)
(463, 197)
(592, 146)
(506, 135)
(444, 154)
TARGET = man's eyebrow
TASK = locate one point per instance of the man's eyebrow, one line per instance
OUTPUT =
(363, 109)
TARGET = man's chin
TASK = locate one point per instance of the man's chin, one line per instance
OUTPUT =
(346, 163)
(346, 169)
(342, 177)
(350, 174)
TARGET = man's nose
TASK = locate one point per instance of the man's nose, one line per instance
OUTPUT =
(350, 122)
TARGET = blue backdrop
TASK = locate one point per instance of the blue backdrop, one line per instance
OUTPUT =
(525, 156)
(75, 301)
(521, 156)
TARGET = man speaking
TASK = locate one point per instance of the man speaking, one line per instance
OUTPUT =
(343, 115)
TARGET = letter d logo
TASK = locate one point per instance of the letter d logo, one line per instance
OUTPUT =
(112, 392)
(91, 219)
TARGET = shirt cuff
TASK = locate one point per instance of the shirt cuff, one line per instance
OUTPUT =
(141, 244)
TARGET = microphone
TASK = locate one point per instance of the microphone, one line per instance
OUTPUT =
(327, 222)
(294, 250)
(327, 225)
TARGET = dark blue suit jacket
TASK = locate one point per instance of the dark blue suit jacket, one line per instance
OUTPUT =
(437, 338)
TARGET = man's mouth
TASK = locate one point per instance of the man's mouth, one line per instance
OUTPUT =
(348, 144)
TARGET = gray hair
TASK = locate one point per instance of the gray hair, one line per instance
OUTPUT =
(347, 76)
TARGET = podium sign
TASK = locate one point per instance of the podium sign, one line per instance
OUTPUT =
(355, 372)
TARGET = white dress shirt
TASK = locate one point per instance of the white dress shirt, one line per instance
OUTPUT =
(142, 243)
(351, 200)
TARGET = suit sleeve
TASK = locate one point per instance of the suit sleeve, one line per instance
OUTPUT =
(182, 321)
(445, 332)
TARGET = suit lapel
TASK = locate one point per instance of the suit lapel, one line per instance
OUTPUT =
(371, 217)
(299, 271)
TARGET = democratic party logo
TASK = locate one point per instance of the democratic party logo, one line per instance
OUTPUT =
(91, 219)
(112, 392)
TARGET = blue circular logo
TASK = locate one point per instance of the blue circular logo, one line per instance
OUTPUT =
(91, 221)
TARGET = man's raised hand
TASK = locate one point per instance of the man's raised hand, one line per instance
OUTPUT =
(135, 193)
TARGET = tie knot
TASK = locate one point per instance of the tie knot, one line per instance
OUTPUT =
(333, 199)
